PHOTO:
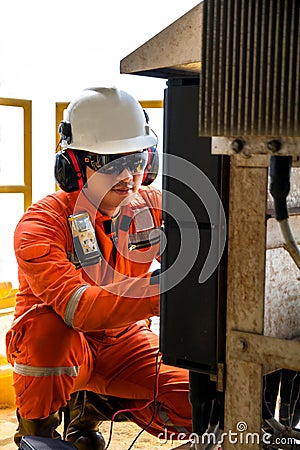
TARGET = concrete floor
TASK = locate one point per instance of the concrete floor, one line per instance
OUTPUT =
(123, 435)
(7, 428)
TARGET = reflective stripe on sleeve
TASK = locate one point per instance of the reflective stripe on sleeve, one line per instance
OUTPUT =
(72, 305)
(33, 371)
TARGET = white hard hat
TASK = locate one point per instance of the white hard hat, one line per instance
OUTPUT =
(106, 121)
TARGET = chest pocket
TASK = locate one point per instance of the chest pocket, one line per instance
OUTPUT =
(143, 237)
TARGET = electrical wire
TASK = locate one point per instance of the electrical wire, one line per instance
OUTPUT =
(290, 243)
(280, 174)
(154, 401)
(110, 435)
(155, 393)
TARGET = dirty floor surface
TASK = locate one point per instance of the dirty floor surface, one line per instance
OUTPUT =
(122, 436)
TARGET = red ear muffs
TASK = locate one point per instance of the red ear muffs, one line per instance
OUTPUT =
(151, 169)
(70, 171)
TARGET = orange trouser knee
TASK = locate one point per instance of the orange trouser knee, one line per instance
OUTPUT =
(50, 362)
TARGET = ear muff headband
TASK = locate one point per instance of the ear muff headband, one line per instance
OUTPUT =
(151, 169)
(65, 132)
(70, 171)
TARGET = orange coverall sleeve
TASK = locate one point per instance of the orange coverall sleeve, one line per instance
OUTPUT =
(46, 273)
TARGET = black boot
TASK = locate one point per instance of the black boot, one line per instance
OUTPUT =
(38, 427)
(85, 418)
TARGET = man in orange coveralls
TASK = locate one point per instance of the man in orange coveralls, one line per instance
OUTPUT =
(81, 325)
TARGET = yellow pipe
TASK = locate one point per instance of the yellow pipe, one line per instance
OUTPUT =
(8, 302)
(7, 393)
(5, 288)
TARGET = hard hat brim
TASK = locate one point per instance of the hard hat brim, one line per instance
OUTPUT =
(119, 146)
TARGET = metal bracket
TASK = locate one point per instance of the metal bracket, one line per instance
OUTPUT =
(265, 350)
(258, 145)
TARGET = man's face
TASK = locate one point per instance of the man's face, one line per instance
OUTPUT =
(115, 183)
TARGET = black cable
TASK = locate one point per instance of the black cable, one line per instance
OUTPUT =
(154, 404)
(153, 415)
(280, 173)
(110, 435)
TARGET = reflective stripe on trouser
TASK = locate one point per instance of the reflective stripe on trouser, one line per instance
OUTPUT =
(50, 362)
(33, 371)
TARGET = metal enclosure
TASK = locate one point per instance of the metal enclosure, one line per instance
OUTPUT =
(192, 324)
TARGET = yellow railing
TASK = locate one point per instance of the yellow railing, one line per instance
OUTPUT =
(7, 294)
(26, 188)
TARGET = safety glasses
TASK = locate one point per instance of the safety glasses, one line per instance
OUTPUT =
(115, 164)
